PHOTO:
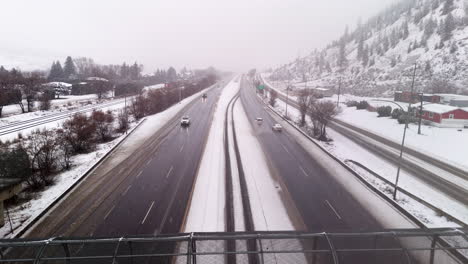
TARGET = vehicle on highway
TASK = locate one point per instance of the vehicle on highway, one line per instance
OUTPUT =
(185, 121)
(277, 127)
(259, 120)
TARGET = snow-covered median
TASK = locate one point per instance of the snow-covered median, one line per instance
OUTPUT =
(265, 194)
(206, 211)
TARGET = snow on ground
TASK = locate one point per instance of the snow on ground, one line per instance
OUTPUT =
(206, 213)
(22, 214)
(64, 102)
(345, 149)
(119, 104)
(154, 87)
(446, 144)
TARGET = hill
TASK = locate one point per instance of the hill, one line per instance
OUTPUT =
(379, 56)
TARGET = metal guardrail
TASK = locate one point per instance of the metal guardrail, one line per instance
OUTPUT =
(389, 246)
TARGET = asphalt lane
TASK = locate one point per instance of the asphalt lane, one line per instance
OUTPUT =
(324, 204)
(145, 194)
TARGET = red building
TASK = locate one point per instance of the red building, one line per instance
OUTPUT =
(407, 97)
(445, 115)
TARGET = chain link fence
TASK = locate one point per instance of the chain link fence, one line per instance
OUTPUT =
(390, 246)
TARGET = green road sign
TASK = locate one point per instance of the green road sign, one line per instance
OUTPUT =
(261, 87)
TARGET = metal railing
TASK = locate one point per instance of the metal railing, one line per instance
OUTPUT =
(389, 246)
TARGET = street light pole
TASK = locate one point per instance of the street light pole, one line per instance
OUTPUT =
(287, 100)
(420, 113)
(339, 92)
(404, 137)
(126, 116)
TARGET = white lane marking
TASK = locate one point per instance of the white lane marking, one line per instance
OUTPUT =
(303, 171)
(147, 213)
(108, 213)
(139, 174)
(336, 213)
(126, 190)
(169, 172)
(181, 148)
(149, 161)
(285, 148)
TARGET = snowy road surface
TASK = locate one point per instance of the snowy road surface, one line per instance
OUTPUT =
(143, 187)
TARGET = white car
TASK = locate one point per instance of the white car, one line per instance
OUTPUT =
(259, 120)
(185, 121)
(277, 127)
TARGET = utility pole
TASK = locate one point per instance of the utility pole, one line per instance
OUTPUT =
(420, 113)
(339, 92)
(287, 100)
(404, 136)
(180, 93)
(126, 115)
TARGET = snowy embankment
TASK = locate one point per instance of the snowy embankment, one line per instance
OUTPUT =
(56, 121)
(23, 214)
(154, 87)
(206, 209)
(63, 103)
(445, 144)
(345, 149)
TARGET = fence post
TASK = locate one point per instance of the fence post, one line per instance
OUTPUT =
(433, 244)
(67, 253)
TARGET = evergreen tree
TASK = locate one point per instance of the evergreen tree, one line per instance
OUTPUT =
(429, 27)
(385, 44)
(360, 47)
(404, 30)
(342, 60)
(448, 27)
(171, 74)
(56, 71)
(135, 71)
(365, 56)
(69, 68)
(448, 7)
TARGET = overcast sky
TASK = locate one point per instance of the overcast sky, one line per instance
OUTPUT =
(230, 35)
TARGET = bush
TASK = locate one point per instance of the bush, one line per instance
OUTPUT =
(396, 113)
(80, 133)
(15, 164)
(351, 103)
(103, 122)
(384, 111)
(405, 115)
(273, 96)
(362, 105)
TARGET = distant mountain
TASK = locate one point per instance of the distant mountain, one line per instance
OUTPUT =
(379, 55)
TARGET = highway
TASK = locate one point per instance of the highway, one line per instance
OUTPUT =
(437, 174)
(146, 194)
(324, 204)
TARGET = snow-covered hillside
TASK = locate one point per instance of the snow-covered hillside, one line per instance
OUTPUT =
(380, 54)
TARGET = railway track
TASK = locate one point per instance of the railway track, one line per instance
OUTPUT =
(30, 123)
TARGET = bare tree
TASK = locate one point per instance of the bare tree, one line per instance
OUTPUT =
(321, 113)
(273, 97)
(139, 106)
(103, 122)
(80, 133)
(306, 100)
(42, 149)
(122, 117)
